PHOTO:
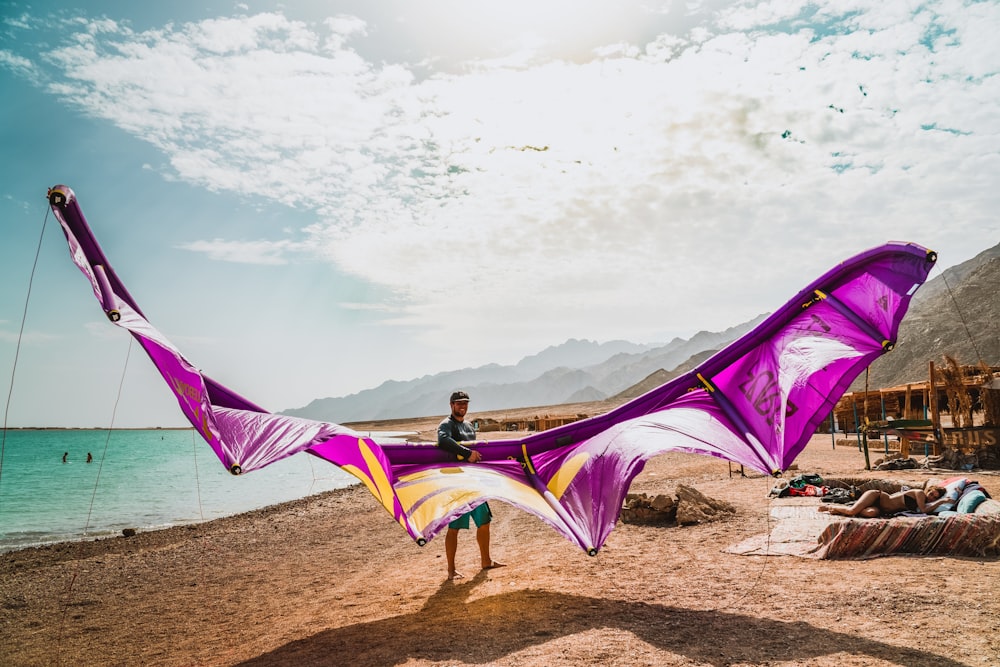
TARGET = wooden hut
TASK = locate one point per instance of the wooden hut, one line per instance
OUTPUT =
(968, 397)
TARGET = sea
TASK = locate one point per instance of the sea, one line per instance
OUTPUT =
(139, 479)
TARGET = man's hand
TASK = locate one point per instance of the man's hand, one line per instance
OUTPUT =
(475, 457)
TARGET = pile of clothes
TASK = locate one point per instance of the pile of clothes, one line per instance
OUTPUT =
(842, 496)
(808, 484)
(897, 464)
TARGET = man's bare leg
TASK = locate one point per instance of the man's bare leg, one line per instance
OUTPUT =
(483, 538)
(450, 550)
(866, 505)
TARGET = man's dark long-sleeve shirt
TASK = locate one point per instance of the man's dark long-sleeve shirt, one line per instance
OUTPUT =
(451, 432)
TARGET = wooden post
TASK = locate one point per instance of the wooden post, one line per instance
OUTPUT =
(904, 442)
(857, 424)
(864, 431)
(885, 434)
(935, 414)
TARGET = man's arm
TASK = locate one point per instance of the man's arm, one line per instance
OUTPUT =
(449, 444)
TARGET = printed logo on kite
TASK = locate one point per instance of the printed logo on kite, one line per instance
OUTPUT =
(186, 390)
(764, 394)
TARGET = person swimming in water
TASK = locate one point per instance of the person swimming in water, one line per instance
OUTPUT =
(874, 503)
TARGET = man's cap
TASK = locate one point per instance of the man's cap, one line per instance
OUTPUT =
(459, 396)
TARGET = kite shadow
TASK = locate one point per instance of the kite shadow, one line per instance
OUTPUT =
(485, 630)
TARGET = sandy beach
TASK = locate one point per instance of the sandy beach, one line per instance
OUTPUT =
(332, 580)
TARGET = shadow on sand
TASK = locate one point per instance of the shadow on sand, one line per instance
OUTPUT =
(444, 629)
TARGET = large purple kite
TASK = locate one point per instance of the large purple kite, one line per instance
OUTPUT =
(756, 402)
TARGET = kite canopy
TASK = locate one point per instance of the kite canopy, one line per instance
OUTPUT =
(756, 402)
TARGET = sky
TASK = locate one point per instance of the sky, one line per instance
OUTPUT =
(311, 198)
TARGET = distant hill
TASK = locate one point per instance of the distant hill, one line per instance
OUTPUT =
(956, 313)
(655, 379)
(578, 371)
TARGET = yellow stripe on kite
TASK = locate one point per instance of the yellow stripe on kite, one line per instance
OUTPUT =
(378, 475)
(567, 471)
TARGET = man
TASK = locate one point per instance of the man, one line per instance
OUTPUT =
(452, 432)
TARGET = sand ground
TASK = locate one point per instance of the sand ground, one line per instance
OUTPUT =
(331, 580)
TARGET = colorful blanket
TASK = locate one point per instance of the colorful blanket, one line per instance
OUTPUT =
(802, 531)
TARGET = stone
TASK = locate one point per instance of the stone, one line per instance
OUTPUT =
(662, 503)
(689, 507)
(695, 507)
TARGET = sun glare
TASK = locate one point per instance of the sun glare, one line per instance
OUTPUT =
(557, 28)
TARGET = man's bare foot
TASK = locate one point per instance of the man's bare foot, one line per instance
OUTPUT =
(493, 565)
(455, 575)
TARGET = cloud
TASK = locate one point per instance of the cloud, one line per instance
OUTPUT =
(702, 175)
(25, 337)
(20, 66)
(100, 330)
(246, 252)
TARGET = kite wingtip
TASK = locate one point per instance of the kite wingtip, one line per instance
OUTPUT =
(59, 195)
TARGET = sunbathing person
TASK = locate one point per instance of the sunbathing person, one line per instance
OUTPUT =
(874, 503)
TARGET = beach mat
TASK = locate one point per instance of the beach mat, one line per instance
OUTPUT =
(795, 532)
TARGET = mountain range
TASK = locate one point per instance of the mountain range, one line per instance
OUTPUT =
(954, 314)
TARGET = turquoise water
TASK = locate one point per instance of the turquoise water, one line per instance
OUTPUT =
(142, 479)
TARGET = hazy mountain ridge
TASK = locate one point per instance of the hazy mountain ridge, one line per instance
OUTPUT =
(575, 371)
(955, 313)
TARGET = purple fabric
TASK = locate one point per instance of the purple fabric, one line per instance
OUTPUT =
(757, 403)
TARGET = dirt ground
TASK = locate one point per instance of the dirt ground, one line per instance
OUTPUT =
(331, 580)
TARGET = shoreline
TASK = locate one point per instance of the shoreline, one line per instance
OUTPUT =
(43, 503)
(86, 547)
(188, 525)
(407, 426)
